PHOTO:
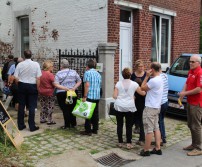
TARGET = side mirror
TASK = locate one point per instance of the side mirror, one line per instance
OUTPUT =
(167, 69)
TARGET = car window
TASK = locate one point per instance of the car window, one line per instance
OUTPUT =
(181, 66)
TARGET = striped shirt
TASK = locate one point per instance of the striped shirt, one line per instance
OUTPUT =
(67, 78)
(95, 80)
(165, 88)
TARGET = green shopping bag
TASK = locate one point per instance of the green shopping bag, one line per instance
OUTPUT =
(83, 109)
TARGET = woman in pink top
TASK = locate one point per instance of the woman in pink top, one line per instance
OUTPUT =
(46, 88)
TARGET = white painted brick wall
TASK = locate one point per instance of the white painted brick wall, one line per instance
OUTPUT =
(80, 23)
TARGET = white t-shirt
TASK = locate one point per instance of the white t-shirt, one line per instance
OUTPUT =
(125, 99)
(154, 95)
(27, 71)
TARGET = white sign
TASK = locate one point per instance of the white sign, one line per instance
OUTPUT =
(99, 67)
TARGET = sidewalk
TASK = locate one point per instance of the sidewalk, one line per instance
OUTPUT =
(50, 146)
(173, 156)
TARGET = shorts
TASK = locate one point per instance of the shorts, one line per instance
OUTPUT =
(150, 119)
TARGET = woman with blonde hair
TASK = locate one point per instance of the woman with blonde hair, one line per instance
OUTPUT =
(138, 76)
(125, 106)
(46, 88)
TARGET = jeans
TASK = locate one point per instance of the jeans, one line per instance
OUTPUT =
(161, 120)
(27, 96)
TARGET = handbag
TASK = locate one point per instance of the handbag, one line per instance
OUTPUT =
(83, 109)
(55, 89)
(112, 110)
(70, 95)
(6, 90)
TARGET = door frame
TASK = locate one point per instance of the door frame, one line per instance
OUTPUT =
(127, 25)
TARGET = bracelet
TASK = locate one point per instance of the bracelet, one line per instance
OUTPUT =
(84, 96)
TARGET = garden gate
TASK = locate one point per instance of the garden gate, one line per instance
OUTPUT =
(77, 61)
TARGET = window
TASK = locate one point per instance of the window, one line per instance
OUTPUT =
(125, 16)
(161, 29)
(24, 34)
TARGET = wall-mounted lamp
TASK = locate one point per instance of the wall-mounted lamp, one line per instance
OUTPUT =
(8, 3)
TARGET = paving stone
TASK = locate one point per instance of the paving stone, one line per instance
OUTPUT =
(56, 141)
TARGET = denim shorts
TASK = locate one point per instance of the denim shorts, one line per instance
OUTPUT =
(151, 119)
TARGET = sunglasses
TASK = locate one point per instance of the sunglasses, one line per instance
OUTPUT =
(193, 61)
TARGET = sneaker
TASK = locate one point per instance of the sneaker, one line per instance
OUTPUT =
(34, 129)
(94, 132)
(144, 153)
(194, 152)
(154, 151)
(164, 141)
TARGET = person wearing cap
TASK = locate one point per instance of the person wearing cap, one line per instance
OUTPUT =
(67, 79)
(27, 74)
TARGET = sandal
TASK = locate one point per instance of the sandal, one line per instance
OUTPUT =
(129, 146)
(51, 123)
(120, 145)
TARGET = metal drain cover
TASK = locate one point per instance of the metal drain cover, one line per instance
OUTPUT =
(112, 160)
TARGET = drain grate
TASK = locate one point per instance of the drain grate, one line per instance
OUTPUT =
(112, 160)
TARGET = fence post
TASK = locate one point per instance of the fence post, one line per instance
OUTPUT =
(106, 56)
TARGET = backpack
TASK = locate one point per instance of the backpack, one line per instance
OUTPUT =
(6, 67)
(4, 72)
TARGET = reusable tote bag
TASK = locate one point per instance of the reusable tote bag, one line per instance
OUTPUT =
(84, 109)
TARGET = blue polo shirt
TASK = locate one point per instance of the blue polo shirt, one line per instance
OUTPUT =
(95, 80)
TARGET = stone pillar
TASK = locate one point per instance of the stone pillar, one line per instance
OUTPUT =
(106, 56)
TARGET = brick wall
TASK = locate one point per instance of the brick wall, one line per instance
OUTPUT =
(185, 28)
(79, 24)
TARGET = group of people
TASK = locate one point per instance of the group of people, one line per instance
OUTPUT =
(138, 99)
(32, 82)
(142, 99)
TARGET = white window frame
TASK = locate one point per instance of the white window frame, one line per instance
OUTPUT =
(158, 49)
(17, 38)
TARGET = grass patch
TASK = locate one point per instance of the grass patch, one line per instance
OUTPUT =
(94, 151)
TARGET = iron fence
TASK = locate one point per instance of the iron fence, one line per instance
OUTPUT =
(77, 61)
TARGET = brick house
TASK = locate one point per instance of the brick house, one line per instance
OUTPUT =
(160, 30)
(152, 30)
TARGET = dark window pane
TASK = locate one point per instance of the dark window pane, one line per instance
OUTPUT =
(125, 16)
(24, 34)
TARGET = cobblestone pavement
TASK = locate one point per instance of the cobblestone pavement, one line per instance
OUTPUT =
(52, 141)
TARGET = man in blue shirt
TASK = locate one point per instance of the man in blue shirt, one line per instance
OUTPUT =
(92, 87)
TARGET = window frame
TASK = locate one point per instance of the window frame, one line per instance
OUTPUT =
(158, 38)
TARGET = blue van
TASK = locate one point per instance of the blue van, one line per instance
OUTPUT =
(177, 76)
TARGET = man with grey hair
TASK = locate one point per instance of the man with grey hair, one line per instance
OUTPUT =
(193, 90)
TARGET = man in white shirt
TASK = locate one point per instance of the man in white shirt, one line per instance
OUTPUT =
(27, 74)
(154, 89)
